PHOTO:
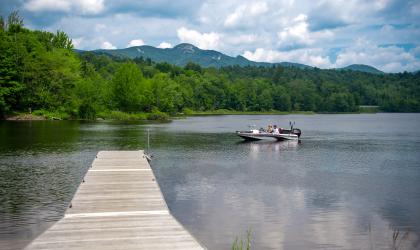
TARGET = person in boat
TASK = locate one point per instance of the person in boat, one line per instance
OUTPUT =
(270, 129)
(276, 130)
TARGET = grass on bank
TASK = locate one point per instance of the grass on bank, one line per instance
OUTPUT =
(37, 115)
(369, 109)
(52, 115)
(104, 115)
(122, 116)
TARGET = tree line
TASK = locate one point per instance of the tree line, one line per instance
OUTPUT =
(40, 70)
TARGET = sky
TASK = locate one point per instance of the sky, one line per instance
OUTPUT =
(325, 34)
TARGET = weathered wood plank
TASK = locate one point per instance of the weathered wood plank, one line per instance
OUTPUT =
(118, 206)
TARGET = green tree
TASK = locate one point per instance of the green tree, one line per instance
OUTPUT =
(126, 87)
(14, 22)
(281, 99)
(2, 24)
(167, 94)
(10, 86)
(61, 40)
(341, 102)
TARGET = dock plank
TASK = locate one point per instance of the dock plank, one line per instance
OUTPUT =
(118, 206)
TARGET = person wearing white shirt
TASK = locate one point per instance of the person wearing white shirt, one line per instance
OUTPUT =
(276, 130)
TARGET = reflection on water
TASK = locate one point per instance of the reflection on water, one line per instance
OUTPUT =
(269, 147)
(351, 183)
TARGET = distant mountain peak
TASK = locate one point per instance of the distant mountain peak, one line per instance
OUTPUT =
(186, 48)
(363, 68)
(181, 45)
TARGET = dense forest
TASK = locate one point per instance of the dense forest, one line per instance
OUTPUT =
(41, 72)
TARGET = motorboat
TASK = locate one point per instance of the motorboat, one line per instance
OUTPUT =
(279, 135)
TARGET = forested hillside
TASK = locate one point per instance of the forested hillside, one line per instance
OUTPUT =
(39, 71)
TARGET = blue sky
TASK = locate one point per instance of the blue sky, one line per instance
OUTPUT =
(325, 34)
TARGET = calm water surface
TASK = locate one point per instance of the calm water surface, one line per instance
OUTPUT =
(351, 183)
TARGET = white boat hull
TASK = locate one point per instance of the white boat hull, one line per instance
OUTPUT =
(266, 136)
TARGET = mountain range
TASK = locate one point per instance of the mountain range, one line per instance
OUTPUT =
(184, 53)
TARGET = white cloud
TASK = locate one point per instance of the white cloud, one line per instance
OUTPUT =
(388, 59)
(298, 33)
(82, 6)
(48, 5)
(90, 6)
(120, 29)
(415, 8)
(381, 4)
(100, 27)
(135, 42)
(312, 57)
(241, 39)
(202, 40)
(107, 45)
(344, 10)
(245, 11)
(257, 8)
(416, 51)
(77, 42)
(164, 45)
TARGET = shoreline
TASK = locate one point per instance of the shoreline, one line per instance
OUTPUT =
(163, 117)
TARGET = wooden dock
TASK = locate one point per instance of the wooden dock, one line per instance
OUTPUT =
(118, 206)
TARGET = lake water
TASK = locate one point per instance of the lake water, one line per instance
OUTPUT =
(353, 181)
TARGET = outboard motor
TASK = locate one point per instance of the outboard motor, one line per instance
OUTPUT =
(297, 132)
